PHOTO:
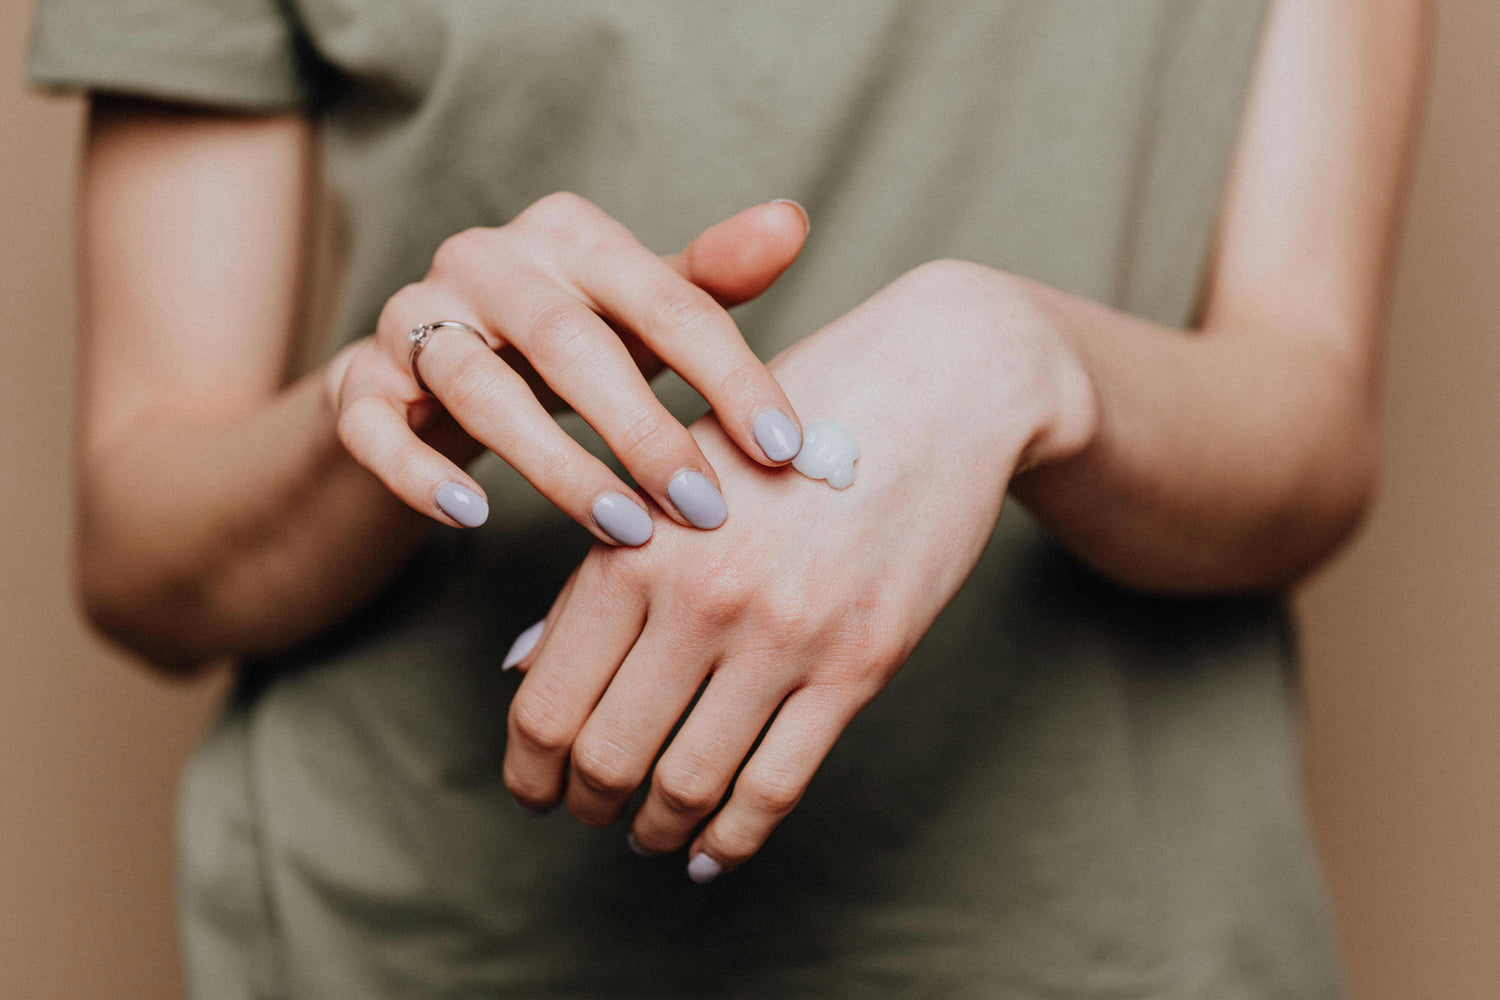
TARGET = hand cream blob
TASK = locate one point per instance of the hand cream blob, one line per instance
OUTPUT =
(828, 452)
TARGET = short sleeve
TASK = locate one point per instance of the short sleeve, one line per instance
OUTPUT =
(228, 53)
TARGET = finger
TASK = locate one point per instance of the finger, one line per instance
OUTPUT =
(683, 325)
(693, 775)
(374, 430)
(772, 782)
(737, 259)
(649, 693)
(734, 261)
(526, 645)
(496, 407)
(585, 363)
(594, 631)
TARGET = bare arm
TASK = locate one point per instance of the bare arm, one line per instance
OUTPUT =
(1234, 456)
(1240, 456)
(221, 512)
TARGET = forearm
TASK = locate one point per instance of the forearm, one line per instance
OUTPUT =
(1222, 459)
(1241, 454)
(237, 533)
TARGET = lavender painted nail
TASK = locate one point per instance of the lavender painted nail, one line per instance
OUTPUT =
(524, 644)
(777, 435)
(622, 519)
(697, 499)
(704, 869)
(636, 847)
(462, 504)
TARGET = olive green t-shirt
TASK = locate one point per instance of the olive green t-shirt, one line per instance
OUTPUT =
(1069, 791)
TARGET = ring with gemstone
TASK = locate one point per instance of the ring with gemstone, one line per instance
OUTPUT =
(422, 334)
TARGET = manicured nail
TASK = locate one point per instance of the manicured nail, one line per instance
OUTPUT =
(704, 869)
(806, 219)
(462, 504)
(777, 435)
(636, 847)
(524, 644)
(697, 499)
(529, 810)
(622, 519)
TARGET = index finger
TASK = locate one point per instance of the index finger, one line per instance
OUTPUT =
(694, 335)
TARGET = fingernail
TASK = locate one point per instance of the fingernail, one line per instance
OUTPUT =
(622, 519)
(529, 810)
(704, 869)
(777, 435)
(462, 504)
(697, 499)
(806, 219)
(524, 644)
(636, 847)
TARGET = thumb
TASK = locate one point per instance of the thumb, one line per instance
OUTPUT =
(737, 259)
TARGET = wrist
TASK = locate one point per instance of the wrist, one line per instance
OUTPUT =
(1011, 363)
(952, 362)
(1060, 400)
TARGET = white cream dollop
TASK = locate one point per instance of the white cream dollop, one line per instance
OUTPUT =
(828, 452)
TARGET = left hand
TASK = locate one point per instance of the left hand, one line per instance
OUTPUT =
(806, 602)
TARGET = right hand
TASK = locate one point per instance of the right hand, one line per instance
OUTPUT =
(569, 292)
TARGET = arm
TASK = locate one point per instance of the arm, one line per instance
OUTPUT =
(221, 512)
(1240, 456)
(1232, 457)
(218, 512)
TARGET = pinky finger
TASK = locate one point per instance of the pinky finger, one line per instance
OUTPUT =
(772, 782)
(374, 430)
(523, 651)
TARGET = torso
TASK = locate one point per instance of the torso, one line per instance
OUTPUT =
(1068, 791)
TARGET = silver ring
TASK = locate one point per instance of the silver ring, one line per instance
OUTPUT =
(422, 334)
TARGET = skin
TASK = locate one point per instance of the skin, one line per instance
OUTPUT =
(221, 509)
(1234, 456)
(542, 288)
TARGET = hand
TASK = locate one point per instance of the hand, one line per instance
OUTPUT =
(804, 605)
(546, 288)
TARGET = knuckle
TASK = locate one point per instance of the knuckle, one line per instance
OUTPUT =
(406, 302)
(409, 470)
(603, 766)
(783, 615)
(947, 273)
(746, 380)
(885, 645)
(558, 336)
(462, 249)
(540, 723)
(472, 384)
(686, 309)
(556, 468)
(558, 210)
(734, 843)
(535, 799)
(775, 793)
(642, 434)
(859, 658)
(734, 848)
(717, 595)
(524, 787)
(685, 793)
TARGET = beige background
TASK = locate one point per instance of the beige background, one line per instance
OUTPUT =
(1400, 634)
